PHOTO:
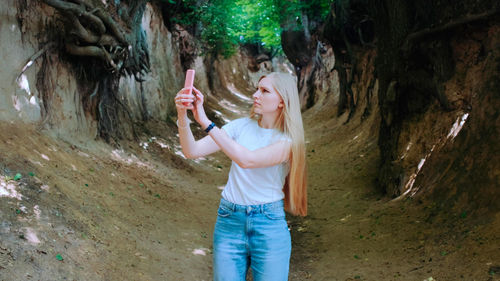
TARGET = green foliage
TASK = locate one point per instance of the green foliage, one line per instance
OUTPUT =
(260, 23)
(228, 23)
(219, 26)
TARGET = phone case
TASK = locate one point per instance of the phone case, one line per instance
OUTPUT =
(188, 83)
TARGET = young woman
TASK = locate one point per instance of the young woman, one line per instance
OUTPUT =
(267, 175)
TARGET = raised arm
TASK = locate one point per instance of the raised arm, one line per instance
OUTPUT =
(267, 156)
(270, 155)
(190, 147)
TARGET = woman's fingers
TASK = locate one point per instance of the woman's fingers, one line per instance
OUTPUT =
(198, 93)
(184, 100)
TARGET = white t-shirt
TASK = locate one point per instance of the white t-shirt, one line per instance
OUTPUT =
(259, 185)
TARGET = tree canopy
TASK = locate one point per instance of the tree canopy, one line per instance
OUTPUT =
(223, 24)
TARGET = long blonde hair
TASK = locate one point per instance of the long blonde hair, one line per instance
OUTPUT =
(290, 122)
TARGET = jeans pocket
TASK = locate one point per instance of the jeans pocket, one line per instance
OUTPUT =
(276, 214)
(224, 212)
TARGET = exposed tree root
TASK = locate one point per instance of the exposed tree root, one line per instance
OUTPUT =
(35, 56)
(421, 34)
(92, 32)
(112, 38)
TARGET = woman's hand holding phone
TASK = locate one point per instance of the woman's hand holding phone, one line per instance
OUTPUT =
(198, 111)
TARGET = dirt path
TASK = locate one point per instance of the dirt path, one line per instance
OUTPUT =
(355, 233)
(93, 212)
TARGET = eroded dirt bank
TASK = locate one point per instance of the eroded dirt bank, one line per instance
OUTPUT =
(142, 212)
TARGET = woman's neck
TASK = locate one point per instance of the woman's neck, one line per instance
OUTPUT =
(268, 121)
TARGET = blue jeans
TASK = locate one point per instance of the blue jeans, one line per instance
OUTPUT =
(255, 236)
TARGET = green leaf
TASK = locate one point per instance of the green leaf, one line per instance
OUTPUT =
(444, 253)
(157, 196)
(87, 184)
(17, 177)
(31, 174)
(463, 215)
(59, 257)
(18, 211)
(356, 257)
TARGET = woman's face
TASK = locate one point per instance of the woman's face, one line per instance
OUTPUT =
(266, 99)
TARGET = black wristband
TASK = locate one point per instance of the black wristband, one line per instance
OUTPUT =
(210, 127)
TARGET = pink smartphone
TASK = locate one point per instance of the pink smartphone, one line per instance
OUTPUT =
(188, 83)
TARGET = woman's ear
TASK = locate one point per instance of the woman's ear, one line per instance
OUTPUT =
(280, 105)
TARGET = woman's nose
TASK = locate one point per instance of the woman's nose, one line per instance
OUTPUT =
(256, 94)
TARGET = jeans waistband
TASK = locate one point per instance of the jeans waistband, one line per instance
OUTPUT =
(260, 208)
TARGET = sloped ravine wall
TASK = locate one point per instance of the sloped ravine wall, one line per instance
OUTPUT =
(81, 97)
(430, 69)
(78, 96)
(438, 68)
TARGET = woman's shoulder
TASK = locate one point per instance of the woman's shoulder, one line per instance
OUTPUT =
(239, 122)
(234, 127)
(243, 120)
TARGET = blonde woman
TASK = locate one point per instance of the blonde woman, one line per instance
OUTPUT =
(267, 175)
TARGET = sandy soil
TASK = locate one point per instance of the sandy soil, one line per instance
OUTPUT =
(88, 211)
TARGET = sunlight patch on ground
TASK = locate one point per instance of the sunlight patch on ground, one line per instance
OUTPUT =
(31, 236)
(145, 144)
(200, 251)
(121, 156)
(457, 126)
(42, 155)
(221, 187)
(83, 154)
(140, 255)
(8, 188)
(160, 143)
(37, 212)
(53, 148)
(36, 162)
(178, 151)
(345, 218)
